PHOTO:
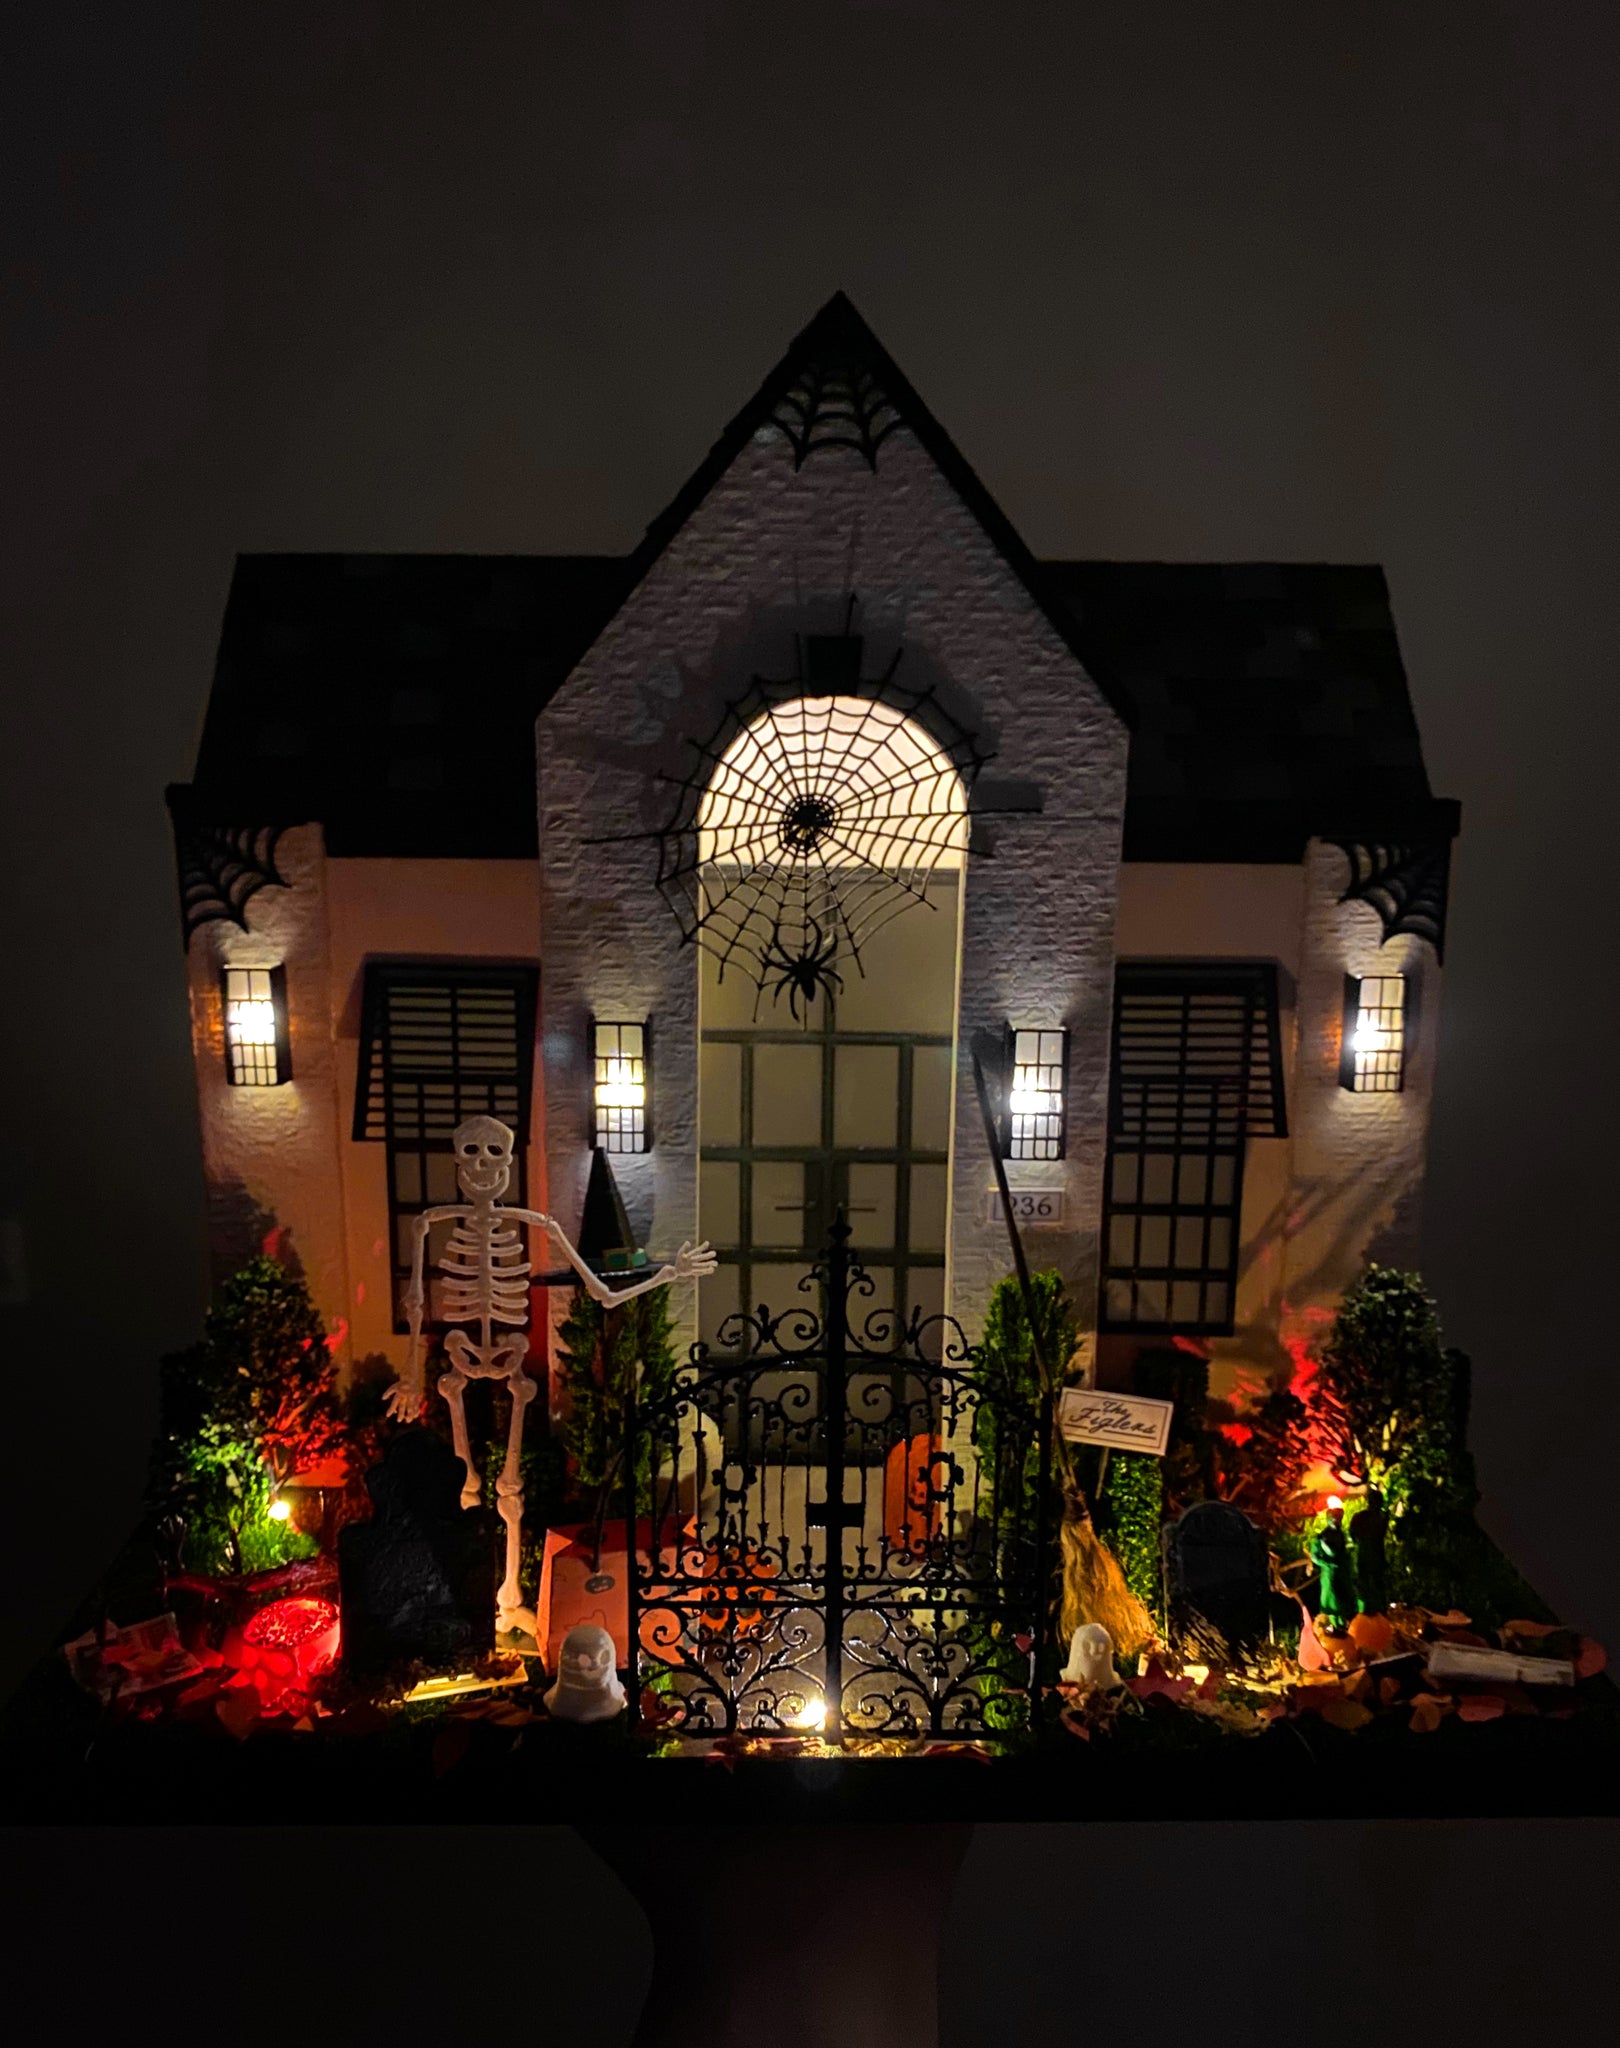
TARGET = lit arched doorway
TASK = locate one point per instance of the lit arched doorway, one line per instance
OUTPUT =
(832, 840)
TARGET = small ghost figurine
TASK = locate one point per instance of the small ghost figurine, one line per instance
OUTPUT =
(587, 1687)
(1091, 1657)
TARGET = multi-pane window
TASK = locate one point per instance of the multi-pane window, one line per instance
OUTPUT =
(619, 1055)
(845, 1107)
(257, 1054)
(440, 1043)
(1372, 1059)
(1196, 1073)
(1035, 1101)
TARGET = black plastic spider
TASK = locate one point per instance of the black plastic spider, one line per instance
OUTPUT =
(805, 974)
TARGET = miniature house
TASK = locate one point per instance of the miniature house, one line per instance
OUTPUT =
(720, 858)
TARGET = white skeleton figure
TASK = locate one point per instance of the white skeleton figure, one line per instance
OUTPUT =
(487, 1283)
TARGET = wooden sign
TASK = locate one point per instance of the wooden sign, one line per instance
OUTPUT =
(1031, 1207)
(1122, 1422)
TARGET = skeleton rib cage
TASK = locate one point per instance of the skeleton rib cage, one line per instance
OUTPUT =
(486, 1276)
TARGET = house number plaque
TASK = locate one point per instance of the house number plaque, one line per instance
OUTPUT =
(1031, 1207)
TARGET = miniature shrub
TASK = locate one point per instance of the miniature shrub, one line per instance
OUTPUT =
(1005, 1423)
(1398, 1403)
(239, 1413)
(604, 1351)
(1383, 1386)
(1130, 1509)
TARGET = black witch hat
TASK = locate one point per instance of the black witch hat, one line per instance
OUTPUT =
(606, 1241)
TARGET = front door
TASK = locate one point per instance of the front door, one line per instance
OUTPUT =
(844, 1107)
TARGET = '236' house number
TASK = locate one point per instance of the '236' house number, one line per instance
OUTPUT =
(1030, 1206)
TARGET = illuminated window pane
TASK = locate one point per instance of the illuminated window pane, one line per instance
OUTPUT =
(1372, 1059)
(620, 1056)
(256, 1048)
(1035, 1102)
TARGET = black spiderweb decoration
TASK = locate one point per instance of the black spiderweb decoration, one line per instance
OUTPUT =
(1406, 885)
(220, 867)
(810, 819)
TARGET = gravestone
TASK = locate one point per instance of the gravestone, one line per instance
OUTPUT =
(1218, 1584)
(417, 1582)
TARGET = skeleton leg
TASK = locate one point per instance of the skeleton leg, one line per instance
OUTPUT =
(510, 1612)
(453, 1386)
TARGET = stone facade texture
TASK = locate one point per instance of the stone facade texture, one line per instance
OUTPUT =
(773, 552)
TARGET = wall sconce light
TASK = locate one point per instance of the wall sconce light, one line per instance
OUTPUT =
(1033, 1127)
(622, 1057)
(1372, 1050)
(257, 1053)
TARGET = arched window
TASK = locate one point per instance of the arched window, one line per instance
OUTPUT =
(825, 818)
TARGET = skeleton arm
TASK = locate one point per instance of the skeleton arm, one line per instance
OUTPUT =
(691, 1262)
(404, 1398)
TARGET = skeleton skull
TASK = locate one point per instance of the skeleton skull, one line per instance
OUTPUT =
(483, 1149)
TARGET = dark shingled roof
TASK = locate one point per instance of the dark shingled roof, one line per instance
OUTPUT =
(393, 697)
(1266, 702)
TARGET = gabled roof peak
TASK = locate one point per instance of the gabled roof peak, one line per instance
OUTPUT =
(837, 387)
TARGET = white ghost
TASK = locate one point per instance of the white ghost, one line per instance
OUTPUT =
(587, 1687)
(1091, 1657)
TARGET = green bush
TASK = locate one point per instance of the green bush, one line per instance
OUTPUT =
(1383, 1385)
(238, 1414)
(1130, 1510)
(604, 1352)
(1005, 1422)
(1399, 1403)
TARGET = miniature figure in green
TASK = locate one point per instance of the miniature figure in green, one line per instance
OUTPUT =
(1368, 1533)
(1330, 1553)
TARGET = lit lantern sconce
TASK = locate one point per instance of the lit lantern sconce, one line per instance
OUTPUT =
(1033, 1127)
(257, 1052)
(1372, 1053)
(621, 1056)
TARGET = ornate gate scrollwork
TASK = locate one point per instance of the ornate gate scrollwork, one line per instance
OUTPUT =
(841, 1527)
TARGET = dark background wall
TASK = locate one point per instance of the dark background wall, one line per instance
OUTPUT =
(1231, 282)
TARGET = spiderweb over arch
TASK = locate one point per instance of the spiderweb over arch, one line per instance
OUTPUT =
(809, 820)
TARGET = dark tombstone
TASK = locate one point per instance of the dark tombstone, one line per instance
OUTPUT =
(1217, 1584)
(417, 1582)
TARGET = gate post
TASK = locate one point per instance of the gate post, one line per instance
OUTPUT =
(632, 1545)
(835, 1403)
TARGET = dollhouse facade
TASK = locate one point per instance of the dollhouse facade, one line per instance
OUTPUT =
(723, 860)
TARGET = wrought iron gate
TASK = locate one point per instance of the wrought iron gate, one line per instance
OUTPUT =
(840, 1526)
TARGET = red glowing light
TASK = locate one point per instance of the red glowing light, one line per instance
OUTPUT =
(284, 1624)
(287, 1644)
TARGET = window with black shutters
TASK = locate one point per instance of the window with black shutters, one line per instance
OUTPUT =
(1197, 1072)
(440, 1042)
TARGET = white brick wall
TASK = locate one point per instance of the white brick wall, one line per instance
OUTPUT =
(272, 1156)
(1358, 1159)
(770, 552)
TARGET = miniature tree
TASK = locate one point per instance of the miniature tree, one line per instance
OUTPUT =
(1130, 1509)
(1004, 1424)
(239, 1414)
(1384, 1389)
(603, 1353)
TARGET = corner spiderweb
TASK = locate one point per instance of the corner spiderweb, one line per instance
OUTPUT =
(820, 809)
